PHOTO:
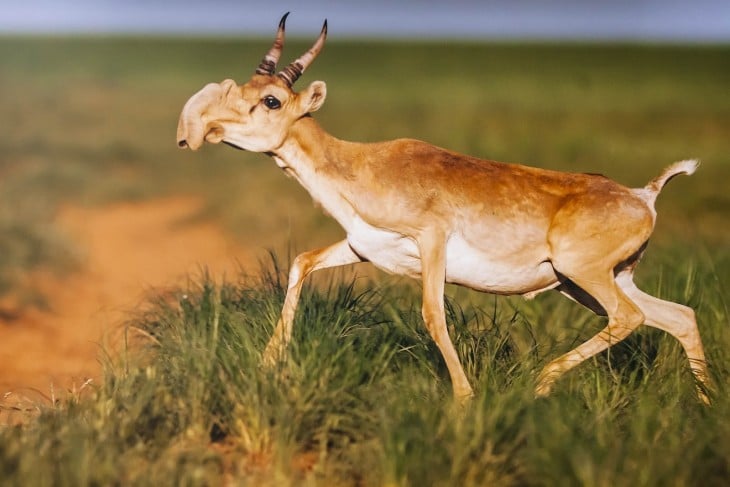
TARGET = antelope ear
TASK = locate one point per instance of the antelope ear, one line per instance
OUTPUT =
(312, 98)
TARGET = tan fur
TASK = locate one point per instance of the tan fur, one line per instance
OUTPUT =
(414, 209)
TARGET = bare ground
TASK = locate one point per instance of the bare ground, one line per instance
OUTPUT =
(128, 249)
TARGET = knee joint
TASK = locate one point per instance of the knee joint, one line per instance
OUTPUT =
(432, 318)
(635, 317)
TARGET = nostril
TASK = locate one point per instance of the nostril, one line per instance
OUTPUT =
(182, 144)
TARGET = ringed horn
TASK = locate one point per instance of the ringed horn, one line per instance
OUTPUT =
(268, 63)
(293, 71)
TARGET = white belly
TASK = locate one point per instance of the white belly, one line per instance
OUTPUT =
(497, 270)
(486, 270)
(389, 251)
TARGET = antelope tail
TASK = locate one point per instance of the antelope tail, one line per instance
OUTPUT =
(650, 192)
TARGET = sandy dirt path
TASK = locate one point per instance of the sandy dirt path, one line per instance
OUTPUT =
(128, 250)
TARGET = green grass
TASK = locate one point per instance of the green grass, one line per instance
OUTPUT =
(364, 398)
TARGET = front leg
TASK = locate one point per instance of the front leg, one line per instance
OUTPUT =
(432, 247)
(335, 255)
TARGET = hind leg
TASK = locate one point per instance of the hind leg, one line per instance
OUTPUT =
(677, 320)
(624, 316)
(589, 237)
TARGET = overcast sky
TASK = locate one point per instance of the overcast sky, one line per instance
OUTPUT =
(653, 20)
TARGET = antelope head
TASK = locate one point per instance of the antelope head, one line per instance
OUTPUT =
(255, 116)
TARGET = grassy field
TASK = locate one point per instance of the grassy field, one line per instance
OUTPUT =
(363, 398)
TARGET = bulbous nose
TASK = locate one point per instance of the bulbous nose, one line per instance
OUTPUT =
(192, 129)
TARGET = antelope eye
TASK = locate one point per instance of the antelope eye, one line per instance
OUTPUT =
(272, 102)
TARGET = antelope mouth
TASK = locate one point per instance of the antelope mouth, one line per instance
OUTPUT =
(231, 144)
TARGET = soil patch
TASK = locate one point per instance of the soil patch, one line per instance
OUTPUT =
(129, 249)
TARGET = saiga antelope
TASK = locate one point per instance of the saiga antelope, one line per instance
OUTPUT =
(414, 209)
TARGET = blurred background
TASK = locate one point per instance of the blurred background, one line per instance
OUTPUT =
(98, 206)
